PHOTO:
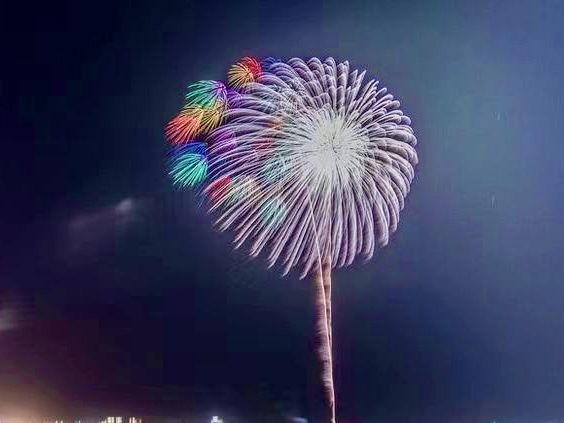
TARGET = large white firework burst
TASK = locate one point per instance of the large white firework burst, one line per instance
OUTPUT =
(319, 161)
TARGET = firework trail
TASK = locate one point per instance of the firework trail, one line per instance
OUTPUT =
(308, 162)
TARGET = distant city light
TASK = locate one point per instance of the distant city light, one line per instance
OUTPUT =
(121, 420)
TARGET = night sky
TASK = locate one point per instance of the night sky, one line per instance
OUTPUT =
(117, 294)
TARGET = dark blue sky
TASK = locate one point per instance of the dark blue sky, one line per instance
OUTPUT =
(125, 297)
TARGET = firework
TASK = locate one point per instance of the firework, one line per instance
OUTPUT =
(245, 71)
(340, 155)
(202, 112)
(189, 165)
(207, 94)
(308, 162)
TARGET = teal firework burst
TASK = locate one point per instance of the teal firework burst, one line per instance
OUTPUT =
(206, 94)
(189, 164)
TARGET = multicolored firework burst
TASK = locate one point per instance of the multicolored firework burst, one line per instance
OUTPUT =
(205, 104)
(307, 161)
(245, 71)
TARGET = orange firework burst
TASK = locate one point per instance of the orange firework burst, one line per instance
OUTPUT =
(193, 121)
(182, 128)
